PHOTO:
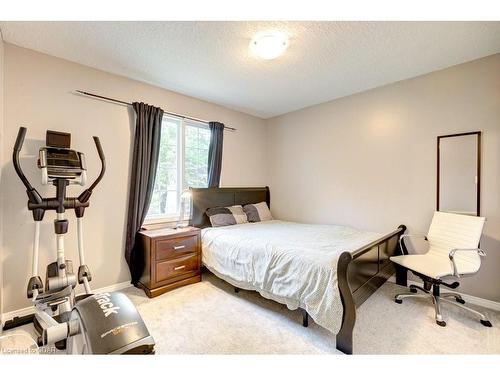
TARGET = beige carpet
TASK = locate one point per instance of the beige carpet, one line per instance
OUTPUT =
(209, 318)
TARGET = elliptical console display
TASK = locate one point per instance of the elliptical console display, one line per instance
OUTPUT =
(106, 323)
(58, 161)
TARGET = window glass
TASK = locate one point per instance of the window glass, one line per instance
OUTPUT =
(182, 163)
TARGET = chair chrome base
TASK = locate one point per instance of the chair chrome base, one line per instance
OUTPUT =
(437, 298)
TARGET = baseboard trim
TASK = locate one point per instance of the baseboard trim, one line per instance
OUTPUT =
(492, 305)
(113, 288)
(30, 309)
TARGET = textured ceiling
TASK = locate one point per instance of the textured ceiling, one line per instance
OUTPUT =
(211, 61)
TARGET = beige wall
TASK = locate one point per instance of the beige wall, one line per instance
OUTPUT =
(1, 160)
(38, 91)
(369, 160)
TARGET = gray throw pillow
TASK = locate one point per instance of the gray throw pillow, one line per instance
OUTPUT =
(257, 212)
(223, 216)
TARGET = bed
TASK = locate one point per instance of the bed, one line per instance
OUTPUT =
(326, 270)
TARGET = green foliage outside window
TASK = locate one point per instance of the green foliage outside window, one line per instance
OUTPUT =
(167, 190)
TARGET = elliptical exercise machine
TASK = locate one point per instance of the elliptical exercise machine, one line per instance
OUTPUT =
(105, 323)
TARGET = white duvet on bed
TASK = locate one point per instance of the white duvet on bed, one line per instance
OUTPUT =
(291, 263)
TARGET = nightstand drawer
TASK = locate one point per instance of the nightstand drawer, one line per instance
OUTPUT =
(176, 267)
(175, 247)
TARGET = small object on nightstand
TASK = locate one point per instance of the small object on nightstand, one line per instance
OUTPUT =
(171, 257)
(185, 198)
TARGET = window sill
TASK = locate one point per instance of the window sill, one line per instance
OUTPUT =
(165, 222)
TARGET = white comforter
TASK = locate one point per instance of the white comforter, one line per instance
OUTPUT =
(291, 263)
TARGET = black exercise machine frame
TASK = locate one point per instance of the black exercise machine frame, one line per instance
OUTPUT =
(60, 202)
(359, 273)
(38, 205)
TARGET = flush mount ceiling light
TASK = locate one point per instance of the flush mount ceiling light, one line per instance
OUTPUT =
(269, 45)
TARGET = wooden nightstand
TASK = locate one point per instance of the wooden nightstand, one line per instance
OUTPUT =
(172, 258)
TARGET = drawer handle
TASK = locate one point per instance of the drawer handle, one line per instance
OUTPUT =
(179, 247)
(179, 268)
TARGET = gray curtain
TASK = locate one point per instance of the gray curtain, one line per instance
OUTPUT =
(144, 163)
(215, 153)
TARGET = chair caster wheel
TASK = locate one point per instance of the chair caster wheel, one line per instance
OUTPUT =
(486, 323)
(441, 323)
(61, 345)
(413, 290)
(460, 300)
(400, 301)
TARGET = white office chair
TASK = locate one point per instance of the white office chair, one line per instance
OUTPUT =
(453, 253)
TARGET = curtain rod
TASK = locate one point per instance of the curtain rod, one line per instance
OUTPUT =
(127, 103)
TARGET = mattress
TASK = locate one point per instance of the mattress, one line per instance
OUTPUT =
(291, 263)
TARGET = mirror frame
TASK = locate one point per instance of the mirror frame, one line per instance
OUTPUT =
(478, 167)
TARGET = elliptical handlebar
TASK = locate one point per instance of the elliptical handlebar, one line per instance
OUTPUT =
(103, 163)
(33, 194)
(99, 147)
(21, 134)
(20, 138)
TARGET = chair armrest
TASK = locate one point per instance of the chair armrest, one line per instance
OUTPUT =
(403, 236)
(451, 255)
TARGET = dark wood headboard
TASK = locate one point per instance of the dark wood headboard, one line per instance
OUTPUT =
(205, 198)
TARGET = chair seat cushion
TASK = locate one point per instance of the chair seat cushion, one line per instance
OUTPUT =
(433, 266)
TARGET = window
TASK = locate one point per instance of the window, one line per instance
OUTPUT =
(182, 163)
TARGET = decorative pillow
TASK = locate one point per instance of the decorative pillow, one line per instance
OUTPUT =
(222, 216)
(257, 212)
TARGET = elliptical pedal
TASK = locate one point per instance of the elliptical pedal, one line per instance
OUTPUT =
(51, 296)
